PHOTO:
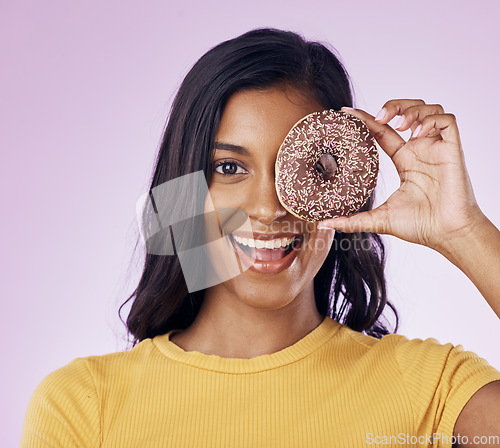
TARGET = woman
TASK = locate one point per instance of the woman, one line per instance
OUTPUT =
(261, 358)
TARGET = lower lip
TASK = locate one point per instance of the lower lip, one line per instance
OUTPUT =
(267, 267)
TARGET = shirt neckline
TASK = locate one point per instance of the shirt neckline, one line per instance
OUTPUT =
(302, 348)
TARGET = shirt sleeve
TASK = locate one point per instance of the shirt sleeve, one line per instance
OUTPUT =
(440, 380)
(64, 410)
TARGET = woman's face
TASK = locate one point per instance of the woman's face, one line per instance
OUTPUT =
(253, 126)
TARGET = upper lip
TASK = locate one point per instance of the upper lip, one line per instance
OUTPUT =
(265, 236)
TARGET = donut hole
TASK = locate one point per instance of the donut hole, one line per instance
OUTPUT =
(326, 166)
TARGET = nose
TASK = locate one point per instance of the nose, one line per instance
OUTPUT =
(263, 204)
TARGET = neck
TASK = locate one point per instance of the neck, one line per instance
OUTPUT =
(229, 328)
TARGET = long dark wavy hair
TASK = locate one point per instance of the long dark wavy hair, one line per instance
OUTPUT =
(350, 286)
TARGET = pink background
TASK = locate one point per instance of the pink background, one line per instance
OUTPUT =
(85, 90)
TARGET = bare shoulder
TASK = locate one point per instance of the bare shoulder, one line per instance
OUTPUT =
(479, 421)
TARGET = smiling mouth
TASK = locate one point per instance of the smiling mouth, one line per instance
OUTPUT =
(267, 250)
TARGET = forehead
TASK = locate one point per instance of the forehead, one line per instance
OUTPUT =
(256, 118)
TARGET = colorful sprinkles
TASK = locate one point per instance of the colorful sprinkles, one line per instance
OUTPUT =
(302, 190)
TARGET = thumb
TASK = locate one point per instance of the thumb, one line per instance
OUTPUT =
(375, 221)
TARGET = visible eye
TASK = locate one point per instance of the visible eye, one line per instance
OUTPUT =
(227, 168)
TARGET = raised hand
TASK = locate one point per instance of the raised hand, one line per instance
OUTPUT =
(435, 201)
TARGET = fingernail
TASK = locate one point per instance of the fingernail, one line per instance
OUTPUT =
(400, 122)
(380, 115)
(417, 131)
(320, 227)
(347, 108)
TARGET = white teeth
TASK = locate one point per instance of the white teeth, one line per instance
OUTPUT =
(267, 244)
(259, 244)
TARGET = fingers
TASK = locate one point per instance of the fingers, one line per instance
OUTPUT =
(413, 113)
(396, 107)
(375, 221)
(444, 125)
(388, 139)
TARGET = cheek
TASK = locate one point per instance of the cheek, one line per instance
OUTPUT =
(319, 244)
(209, 203)
(218, 199)
(228, 205)
(221, 196)
(219, 262)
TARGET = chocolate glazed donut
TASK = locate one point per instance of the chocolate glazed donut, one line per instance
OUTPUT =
(327, 166)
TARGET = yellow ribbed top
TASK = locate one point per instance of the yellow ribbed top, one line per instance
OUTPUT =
(333, 388)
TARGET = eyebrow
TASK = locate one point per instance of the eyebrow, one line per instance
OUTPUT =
(233, 148)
